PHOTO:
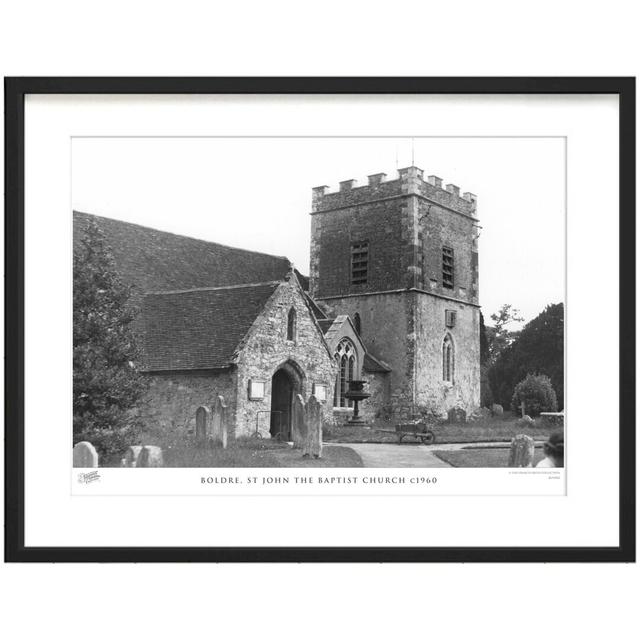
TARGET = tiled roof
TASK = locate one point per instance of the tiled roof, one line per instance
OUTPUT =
(199, 328)
(153, 260)
(374, 365)
(303, 280)
(325, 324)
(333, 327)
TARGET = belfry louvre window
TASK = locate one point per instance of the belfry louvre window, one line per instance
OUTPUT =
(359, 262)
(447, 267)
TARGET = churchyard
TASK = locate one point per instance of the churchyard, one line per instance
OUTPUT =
(245, 452)
(208, 445)
(483, 457)
(490, 428)
(488, 441)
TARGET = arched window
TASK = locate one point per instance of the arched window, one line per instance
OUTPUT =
(448, 359)
(357, 323)
(345, 356)
(291, 324)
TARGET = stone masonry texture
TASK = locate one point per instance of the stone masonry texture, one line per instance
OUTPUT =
(267, 349)
(406, 223)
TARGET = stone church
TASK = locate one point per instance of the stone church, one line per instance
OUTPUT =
(392, 299)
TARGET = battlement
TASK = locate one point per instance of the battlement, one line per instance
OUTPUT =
(410, 181)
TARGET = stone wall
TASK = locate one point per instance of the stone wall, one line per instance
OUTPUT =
(385, 332)
(332, 234)
(431, 390)
(172, 398)
(266, 349)
(445, 228)
(406, 222)
(376, 407)
(402, 305)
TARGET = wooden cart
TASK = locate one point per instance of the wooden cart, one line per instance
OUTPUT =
(418, 430)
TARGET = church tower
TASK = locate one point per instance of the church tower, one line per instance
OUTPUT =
(401, 257)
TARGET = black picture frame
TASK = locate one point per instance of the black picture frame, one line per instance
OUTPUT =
(15, 91)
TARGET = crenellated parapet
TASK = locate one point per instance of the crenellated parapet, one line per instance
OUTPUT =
(410, 181)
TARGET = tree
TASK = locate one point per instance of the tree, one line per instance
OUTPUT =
(538, 349)
(106, 383)
(486, 394)
(499, 337)
(484, 341)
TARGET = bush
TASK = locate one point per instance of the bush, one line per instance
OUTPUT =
(537, 394)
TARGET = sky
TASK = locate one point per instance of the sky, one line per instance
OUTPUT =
(255, 193)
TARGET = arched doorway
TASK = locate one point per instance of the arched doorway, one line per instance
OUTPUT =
(287, 380)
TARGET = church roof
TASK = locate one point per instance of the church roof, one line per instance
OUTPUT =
(373, 365)
(153, 260)
(325, 324)
(199, 328)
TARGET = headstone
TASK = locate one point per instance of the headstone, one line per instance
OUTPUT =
(203, 418)
(313, 441)
(85, 455)
(219, 423)
(497, 410)
(150, 457)
(521, 454)
(457, 415)
(526, 421)
(298, 422)
(131, 456)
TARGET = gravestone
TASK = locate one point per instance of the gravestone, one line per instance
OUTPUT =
(497, 410)
(85, 455)
(203, 419)
(131, 456)
(219, 423)
(313, 419)
(149, 457)
(521, 454)
(457, 415)
(298, 422)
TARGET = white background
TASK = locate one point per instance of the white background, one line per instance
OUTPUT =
(53, 517)
(189, 38)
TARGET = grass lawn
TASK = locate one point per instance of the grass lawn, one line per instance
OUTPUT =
(482, 457)
(493, 429)
(251, 453)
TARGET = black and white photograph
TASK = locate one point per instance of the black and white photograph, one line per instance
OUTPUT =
(352, 320)
(377, 302)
